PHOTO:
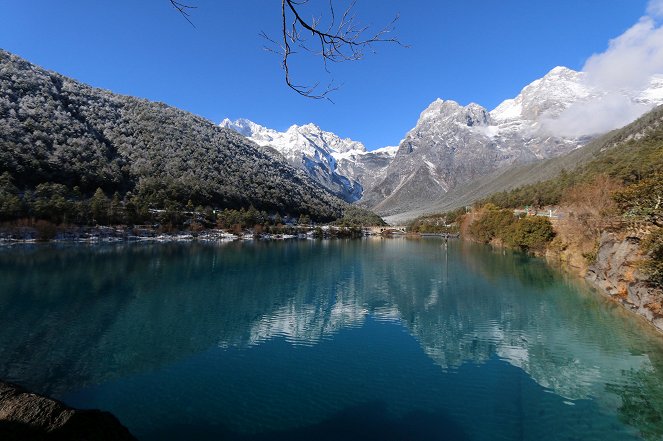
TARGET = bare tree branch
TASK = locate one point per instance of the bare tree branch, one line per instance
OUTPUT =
(183, 9)
(341, 39)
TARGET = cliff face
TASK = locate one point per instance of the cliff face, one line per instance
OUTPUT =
(27, 416)
(616, 271)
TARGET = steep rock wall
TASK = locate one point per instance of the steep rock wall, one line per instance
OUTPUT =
(616, 272)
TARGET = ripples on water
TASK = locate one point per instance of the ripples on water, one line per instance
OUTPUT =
(372, 339)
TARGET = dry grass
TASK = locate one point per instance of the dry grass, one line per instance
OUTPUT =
(586, 209)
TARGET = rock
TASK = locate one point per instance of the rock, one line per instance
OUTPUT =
(616, 272)
(28, 416)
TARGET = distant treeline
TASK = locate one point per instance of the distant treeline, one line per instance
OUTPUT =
(57, 204)
(436, 223)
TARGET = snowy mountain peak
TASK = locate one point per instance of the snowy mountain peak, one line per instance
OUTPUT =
(297, 139)
(561, 71)
(333, 161)
(449, 110)
(440, 108)
(552, 94)
(452, 145)
(259, 134)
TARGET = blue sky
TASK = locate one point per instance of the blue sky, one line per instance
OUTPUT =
(480, 51)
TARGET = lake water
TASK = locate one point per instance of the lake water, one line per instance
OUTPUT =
(327, 340)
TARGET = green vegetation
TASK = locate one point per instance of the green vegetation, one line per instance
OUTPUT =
(354, 216)
(531, 233)
(492, 223)
(437, 223)
(68, 152)
(338, 233)
(51, 205)
(643, 199)
(628, 155)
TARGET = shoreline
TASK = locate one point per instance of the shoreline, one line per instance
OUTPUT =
(624, 286)
(124, 234)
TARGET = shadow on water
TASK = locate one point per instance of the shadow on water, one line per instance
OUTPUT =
(366, 422)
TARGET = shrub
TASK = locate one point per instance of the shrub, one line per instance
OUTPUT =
(653, 265)
(643, 199)
(45, 230)
(492, 223)
(530, 233)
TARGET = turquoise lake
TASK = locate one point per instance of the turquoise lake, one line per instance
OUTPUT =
(376, 339)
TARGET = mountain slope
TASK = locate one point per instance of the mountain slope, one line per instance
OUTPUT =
(453, 148)
(55, 129)
(636, 148)
(341, 165)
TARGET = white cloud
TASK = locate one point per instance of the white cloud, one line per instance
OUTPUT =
(630, 60)
(624, 68)
(655, 8)
(596, 116)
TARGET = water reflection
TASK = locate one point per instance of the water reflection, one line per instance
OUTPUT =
(83, 315)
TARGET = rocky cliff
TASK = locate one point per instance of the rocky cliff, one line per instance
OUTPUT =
(616, 272)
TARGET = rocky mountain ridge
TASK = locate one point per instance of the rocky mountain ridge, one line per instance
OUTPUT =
(452, 145)
(341, 165)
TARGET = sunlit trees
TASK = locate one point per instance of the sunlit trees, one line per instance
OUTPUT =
(643, 199)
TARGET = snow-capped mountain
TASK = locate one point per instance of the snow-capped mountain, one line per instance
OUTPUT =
(340, 164)
(452, 144)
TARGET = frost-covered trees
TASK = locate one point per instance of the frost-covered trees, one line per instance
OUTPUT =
(59, 132)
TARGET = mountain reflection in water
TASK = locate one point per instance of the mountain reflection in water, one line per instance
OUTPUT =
(344, 325)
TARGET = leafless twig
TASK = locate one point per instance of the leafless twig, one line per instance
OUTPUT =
(183, 9)
(342, 39)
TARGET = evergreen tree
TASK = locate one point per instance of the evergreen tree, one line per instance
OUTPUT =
(99, 207)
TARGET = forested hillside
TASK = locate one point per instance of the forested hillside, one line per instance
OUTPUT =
(63, 140)
(614, 195)
(610, 190)
(628, 155)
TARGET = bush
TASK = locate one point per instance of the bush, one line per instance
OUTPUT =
(492, 223)
(436, 223)
(653, 265)
(354, 216)
(530, 233)
(45, 230)
(643, 199)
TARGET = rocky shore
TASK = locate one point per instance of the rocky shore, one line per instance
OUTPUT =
(15, 235)
(616, 272)
(28, 416)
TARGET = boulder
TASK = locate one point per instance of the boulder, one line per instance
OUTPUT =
(28, 416)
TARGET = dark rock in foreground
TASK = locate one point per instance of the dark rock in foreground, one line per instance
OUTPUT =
(28, 416)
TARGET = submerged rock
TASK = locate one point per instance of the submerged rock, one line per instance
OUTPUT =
(28, 416)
